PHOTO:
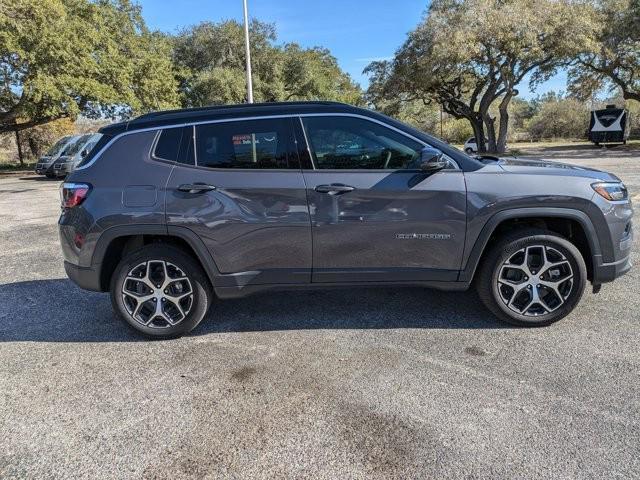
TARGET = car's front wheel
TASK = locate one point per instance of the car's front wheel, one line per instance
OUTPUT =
(532, 278)
(469, 150)
(160, 291)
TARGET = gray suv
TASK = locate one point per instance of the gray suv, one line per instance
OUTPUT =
(173, 209)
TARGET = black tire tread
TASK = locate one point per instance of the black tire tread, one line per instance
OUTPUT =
(515, 240)
(199, 280)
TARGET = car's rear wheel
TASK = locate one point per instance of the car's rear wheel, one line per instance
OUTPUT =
(160, 291)
(532, 278)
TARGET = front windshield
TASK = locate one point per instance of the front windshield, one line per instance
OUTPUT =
(75, 147)
(59, 145)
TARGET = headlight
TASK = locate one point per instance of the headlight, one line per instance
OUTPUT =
(612, 191)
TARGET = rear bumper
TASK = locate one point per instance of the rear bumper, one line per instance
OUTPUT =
(85, 277)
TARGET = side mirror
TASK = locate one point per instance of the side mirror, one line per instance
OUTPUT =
(432, 160)
(84, 153)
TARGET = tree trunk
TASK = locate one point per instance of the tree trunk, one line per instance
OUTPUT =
(33, 146)
(501, 145)
(20, 158)
(478, 133)
(490, 124)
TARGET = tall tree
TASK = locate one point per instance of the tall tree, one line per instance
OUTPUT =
(468, 54)
(611, 57)
(60, 58)
(210, 58)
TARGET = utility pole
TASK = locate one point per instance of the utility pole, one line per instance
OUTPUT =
(248, 53)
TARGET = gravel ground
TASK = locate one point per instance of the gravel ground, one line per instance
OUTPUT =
(384, 383)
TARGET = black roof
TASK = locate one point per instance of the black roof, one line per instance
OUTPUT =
(214, 112)
(217, 112)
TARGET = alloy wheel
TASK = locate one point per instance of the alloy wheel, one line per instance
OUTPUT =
(535, 280)
(157, 294)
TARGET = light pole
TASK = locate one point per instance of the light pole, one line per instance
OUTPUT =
(248, 53)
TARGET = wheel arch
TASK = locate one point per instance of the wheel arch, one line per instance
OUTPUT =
(558, 220)
(116, 242)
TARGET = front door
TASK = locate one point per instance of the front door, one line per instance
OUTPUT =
(241, 190)
(375, 217)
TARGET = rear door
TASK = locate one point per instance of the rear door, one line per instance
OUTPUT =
(375, 216)
(240, 188)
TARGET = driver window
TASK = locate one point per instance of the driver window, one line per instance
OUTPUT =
(353, 143)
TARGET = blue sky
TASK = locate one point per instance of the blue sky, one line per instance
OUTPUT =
(356, 31)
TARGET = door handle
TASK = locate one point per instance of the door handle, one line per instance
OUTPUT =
(334, 189)
(196, 187)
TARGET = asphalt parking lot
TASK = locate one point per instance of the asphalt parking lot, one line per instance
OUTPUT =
(362, 383)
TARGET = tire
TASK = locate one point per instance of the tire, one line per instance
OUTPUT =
(468, 150)
(509, 291)
(185, 298)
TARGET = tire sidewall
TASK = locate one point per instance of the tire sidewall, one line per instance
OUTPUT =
(565, 247)
(199, 284)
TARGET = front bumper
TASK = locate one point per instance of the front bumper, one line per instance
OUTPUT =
(608, 272)
(44, 169)
(62, 169)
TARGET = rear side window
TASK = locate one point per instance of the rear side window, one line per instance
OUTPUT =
(251, 144)
(168, 144)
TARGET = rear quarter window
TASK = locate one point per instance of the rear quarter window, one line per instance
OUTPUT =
(168, 144)
(104, 140)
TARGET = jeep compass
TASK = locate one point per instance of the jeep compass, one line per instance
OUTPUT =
(173, 209)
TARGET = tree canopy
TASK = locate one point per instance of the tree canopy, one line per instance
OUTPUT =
(61, 58)
(210, 58)
(611, 56)
(467, 54)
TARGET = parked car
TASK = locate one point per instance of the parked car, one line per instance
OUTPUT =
(74, 153)
(471, 146)
(45, 163)
(175, 208)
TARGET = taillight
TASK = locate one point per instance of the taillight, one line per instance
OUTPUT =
(73, 194)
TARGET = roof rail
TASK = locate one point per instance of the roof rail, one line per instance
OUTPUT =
(150, 115)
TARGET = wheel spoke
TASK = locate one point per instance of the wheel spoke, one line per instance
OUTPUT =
(167, 299)
(516, 292)
(544, 273)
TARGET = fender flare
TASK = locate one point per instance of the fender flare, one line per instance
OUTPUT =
(184, 233)
(468, 272)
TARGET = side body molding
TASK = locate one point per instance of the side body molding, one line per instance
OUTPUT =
(466, 274)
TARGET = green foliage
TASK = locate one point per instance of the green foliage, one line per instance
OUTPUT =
(61, 58)
(456, 130)
(37, 140)
(611, 55)
(468, 54)
(559, 117)
(211, 62)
